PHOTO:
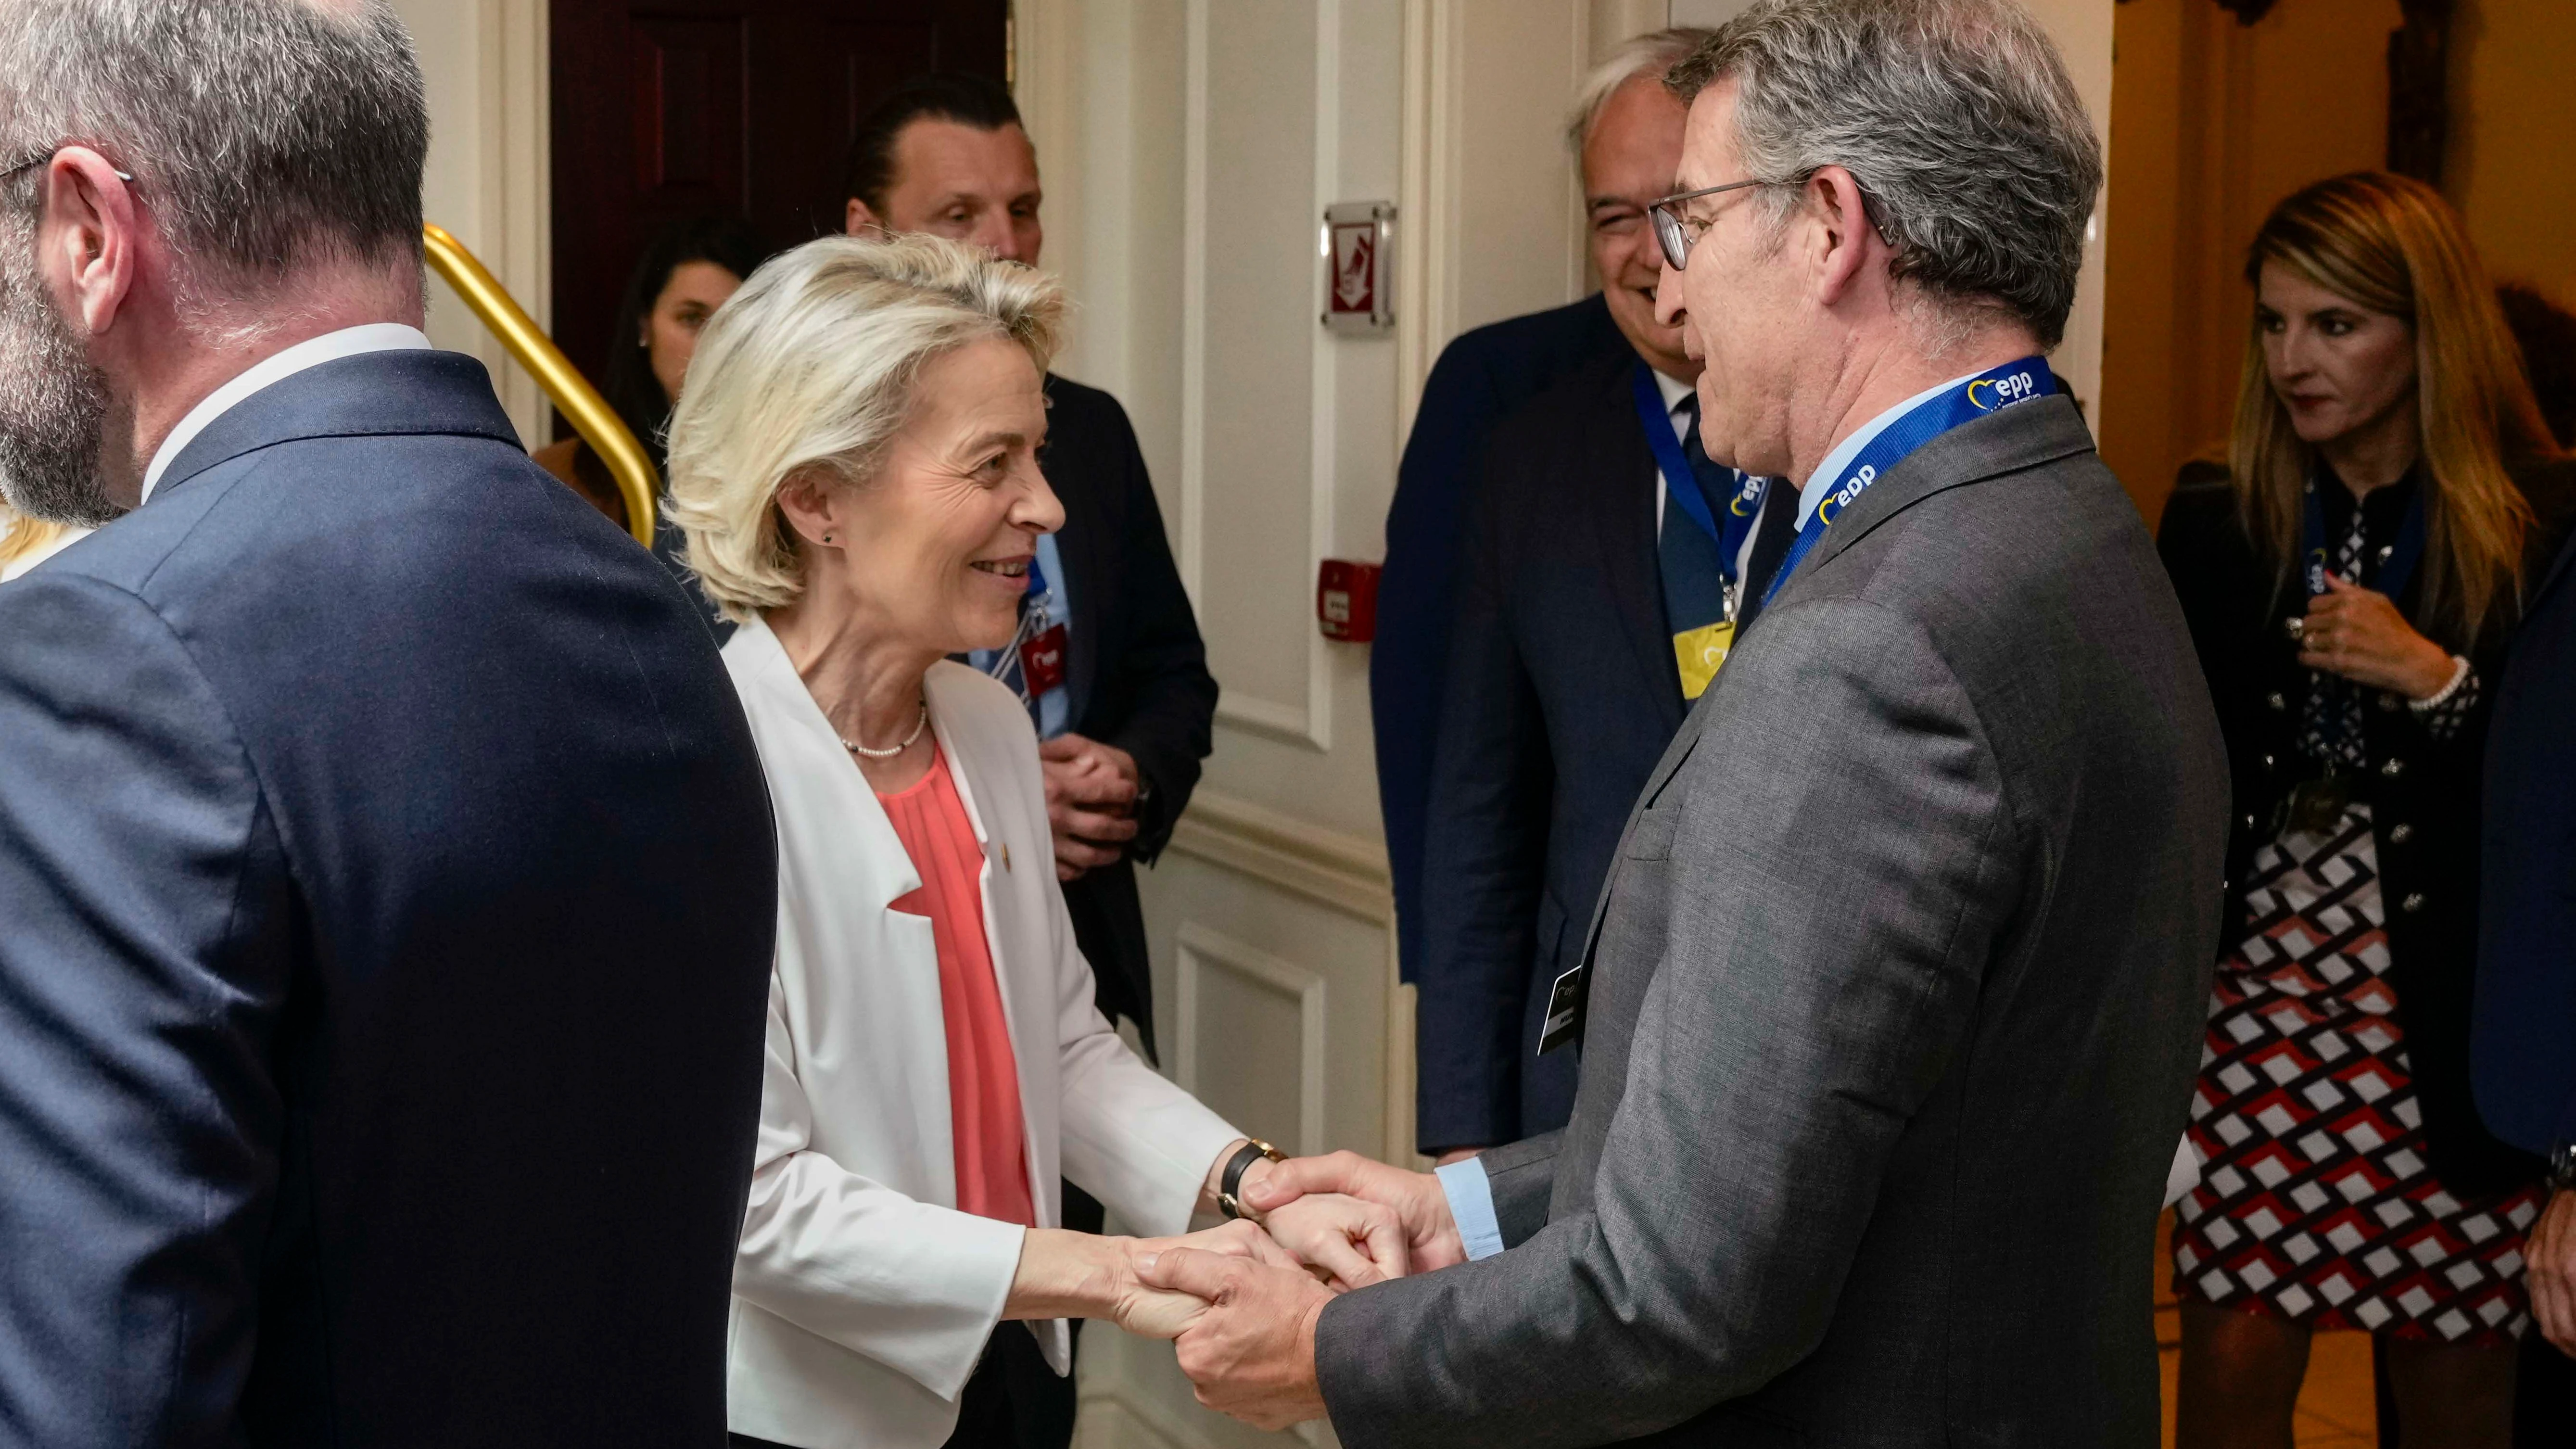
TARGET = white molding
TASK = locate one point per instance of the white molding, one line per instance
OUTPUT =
(1199, 948)
(1426, 200)
(1286, 723)
(1345, 872)
(1401, 1067)
(1047, 85)
(1324, 349)
(1309, 724)
(489, 178)
(518, 179)
(1194, 234)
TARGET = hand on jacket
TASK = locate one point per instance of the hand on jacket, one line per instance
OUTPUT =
(1251, 1349)
(1420, 1206)
(2358, 633)
(1091, 791)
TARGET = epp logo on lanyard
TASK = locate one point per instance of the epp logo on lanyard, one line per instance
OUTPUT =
(1747, 498)
(2003, 392)
(1835, 502)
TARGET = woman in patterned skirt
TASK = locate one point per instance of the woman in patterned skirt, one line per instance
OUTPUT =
(2351, 583)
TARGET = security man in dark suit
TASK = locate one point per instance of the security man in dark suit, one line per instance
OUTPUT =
(1108, 657)
(387, 887)
(1594, 599)
(2525, 1005)
(1482, 377)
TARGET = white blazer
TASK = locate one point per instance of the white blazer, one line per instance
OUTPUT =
(862, 1297)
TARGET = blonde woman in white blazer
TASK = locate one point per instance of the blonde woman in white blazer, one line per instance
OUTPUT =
(854, 464)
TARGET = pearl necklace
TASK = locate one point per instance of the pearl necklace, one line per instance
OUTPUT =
(854, 747)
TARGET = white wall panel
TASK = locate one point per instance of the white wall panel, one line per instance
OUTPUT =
(485, 62)
(1248, 460)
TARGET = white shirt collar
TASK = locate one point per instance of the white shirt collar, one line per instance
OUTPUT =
(1821, 482)
(274, 368)
(1675, 393)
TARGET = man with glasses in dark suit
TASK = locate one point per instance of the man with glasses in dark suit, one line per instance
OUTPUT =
(1605, 564)
(1890, 1008)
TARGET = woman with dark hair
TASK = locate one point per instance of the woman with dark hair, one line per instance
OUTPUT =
(688, 272)
(2351, 587)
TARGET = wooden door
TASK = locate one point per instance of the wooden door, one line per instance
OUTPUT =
(666, 109)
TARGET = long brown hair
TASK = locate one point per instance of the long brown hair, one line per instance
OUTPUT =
(2392, 245)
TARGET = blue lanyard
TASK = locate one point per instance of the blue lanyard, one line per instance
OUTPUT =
(2394, 570)
(1037, 575)
(1992, 390)
(1682, 485)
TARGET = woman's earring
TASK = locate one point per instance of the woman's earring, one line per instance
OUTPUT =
(827, 538)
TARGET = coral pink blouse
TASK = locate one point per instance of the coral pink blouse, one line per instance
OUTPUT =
(983, 1077)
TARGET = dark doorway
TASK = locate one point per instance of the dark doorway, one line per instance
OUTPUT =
(667, 109)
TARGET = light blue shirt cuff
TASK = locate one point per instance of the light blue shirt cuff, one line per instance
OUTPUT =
(1471, 1206)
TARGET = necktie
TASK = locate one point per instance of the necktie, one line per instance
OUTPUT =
(1693, 575)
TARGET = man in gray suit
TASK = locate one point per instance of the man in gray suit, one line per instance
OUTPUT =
(1895, 990)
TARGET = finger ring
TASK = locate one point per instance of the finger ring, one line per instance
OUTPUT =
(2296, 626)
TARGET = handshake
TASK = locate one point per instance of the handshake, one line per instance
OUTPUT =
(1242, 1299)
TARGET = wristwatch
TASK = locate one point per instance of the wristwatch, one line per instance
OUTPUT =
(2562, 1166)
(1230, 1181)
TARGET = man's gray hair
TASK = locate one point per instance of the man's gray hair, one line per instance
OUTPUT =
(1957, 119)
(262, 133)
(1654, 53)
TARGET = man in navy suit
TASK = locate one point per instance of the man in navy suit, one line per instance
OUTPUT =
(2523, 1054)
(1562, 685)
(386, 870)
(1481, 377)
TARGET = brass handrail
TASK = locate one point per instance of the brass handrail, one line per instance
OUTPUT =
(591, 416)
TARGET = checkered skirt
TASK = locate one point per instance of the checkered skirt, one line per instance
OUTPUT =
(2316, 1201)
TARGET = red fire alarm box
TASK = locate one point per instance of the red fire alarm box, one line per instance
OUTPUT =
(1346, 600)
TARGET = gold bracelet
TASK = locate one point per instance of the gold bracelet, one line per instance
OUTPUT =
(1228, 1181)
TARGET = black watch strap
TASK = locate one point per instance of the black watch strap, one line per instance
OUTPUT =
(1230, 1181)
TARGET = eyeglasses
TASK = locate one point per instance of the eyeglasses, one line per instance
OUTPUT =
(1677, 234)
(12, 173)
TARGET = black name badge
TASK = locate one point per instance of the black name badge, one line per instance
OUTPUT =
(1565, 1002)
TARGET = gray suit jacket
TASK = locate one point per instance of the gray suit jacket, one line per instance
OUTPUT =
(1897, 992)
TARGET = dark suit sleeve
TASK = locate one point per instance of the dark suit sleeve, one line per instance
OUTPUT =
(142, 967)
(1163, 668)
(1408, 661)
(1484, 853)
(1833, 860)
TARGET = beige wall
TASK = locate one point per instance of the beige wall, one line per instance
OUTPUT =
(485, 64)
(2512, 159)
(2211, 123)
